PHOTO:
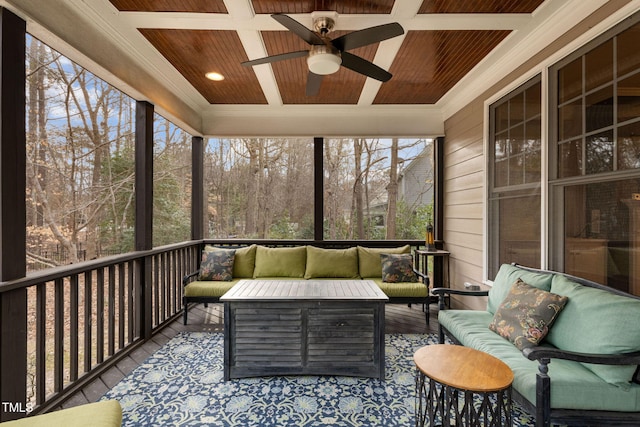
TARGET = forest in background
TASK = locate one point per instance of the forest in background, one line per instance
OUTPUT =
(81, 165)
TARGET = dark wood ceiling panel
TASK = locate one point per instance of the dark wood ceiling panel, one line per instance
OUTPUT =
(479, 6)
(430, 63)
(195, 52)
(343, 87)
(201, 6)
(308, 6)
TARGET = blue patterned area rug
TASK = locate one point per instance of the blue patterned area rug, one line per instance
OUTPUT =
(182, 385)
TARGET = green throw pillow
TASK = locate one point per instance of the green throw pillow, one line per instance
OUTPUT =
(280, 262)
(397, 268)
(369, 262)
(243, 263)
(526, 314)
(217, 265)
(341, 263)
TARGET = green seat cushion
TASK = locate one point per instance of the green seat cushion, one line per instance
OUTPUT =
(597, 321)
(573, 386)
(244, 261)
(106, 413)
(369, 263)
(402, 289)
(507, 276)
(280, 262)
(208, 288)
(341, 263)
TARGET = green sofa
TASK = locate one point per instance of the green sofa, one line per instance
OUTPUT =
(107, 413)
(306, 262)
(585, 371)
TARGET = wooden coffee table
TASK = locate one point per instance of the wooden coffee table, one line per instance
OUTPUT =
(446, 373)
(304, 327)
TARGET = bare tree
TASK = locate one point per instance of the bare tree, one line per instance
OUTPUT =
(392, 191)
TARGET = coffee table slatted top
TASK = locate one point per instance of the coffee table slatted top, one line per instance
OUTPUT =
(284, 290)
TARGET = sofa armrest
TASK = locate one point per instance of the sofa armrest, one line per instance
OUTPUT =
(425, 278)
(445, 292)
(542, 353)
(186, 279)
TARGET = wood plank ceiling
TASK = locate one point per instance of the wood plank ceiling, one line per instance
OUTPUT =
(425, 66)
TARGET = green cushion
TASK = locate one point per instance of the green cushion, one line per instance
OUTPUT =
(369, 261)
(341, 263)
(526, 315)
(597, 321)
(107, 413)
(208, 288)
(280, 262)
(244, 261)
(507, 276)
(573, 386)
(402, 289)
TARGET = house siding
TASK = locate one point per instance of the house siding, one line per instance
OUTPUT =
(465, 166)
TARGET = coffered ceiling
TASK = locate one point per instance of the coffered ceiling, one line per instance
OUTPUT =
(161, 50)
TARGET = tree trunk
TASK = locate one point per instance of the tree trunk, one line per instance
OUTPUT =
(357, 188)
(392, 191)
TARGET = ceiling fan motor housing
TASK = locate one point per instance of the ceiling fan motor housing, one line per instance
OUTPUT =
(324, 59)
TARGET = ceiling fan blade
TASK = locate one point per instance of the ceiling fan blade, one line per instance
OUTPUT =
(368, 36)
(362, 66)
(274, 58)
(313, 84)
(297, 28)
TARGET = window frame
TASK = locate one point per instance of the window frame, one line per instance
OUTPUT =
(493, 241)
(557, 185)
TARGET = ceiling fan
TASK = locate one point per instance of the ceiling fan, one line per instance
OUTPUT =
(325, 56)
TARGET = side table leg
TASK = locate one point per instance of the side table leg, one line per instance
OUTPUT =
(420, 407)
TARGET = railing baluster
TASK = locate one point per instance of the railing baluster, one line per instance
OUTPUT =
(130, 311)
(58, 353)
(162, 284)
(100, 316)
(41, 342)
(73, 328)
(111, 310)
(88, 319)
(156, 290)
(121, 306)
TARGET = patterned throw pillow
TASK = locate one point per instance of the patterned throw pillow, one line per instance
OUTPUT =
(217, 265)
(397, 268)
(526, 314)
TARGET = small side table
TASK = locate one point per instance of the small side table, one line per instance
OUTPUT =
(450, 377)
(440, 257)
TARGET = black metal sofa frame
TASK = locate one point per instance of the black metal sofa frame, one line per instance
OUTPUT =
(325, 244)
(545, 415)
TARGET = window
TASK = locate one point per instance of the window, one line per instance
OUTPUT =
(595, 217)
(259, 188)
(376, 189)
(514, 178)
(80, 162)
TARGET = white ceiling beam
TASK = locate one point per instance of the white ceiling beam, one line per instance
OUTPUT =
(348, 22)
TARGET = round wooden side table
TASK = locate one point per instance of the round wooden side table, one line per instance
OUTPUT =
(460, 386)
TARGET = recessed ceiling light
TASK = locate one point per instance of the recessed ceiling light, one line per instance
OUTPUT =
(214, 76)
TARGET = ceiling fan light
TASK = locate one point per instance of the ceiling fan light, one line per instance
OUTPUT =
(324, 63)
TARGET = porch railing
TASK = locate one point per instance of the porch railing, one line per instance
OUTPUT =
(65, 326)
(79, 320)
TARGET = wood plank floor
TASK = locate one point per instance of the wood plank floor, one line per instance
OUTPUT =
(398, 319)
